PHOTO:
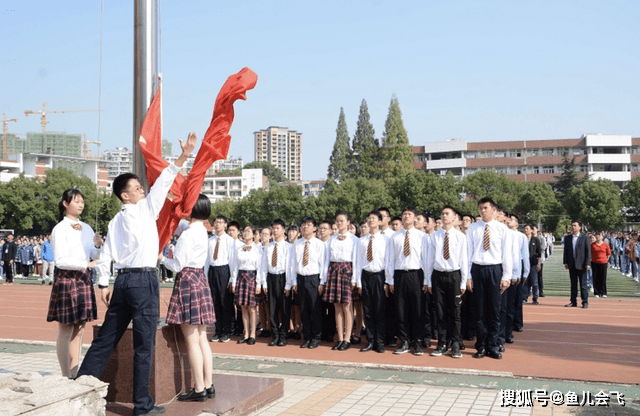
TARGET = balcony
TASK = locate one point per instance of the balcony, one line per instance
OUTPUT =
(608, 159)
(446, 163)
(612, 176)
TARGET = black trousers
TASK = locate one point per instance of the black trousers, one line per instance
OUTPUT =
(429, 319)
(390, 317)
(25, 270)
(409, 304)
(374, 304)
(468, 315)
(540, 282)
(488, 301)
(507, 313)
(8, 269)
(599, 278)
(222, 298)
(279, 304)
(446, 294)
(328, 320)
(310, 307)
(580, 276)
(135, 297)
(518, 319)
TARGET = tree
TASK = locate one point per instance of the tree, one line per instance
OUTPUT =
(631, 199)
(396, 152)
(24, 206)
(109, 207)
(597, 204)
(338, 163)
(539, 203)
(569, 178)
(426, 191)
(365, 147)
(55, 183)
(504, 191)
(356, 197)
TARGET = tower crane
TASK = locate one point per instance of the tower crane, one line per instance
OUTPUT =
(43, 114)
(5, 121)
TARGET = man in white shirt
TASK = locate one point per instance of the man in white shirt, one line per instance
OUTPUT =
(491, 267)
(430, 319)
(374, 256)
(390, 308)
(275, 260)
(132, 243)
(407, 283)
(222, 250)
(445, 272)
(306, 269)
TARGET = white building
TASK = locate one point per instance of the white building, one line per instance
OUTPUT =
(309, 188)
(119, 161)
(233, 186)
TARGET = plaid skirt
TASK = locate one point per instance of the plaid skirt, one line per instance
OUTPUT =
(246, 288)
(338, 286)
(191, 301)
(73, 300)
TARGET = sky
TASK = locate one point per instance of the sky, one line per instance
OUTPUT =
(475, 70)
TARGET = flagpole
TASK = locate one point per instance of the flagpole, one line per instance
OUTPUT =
(145, 73)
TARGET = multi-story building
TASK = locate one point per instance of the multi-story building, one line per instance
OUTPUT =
(118, 161)
(51, 143)
(282, 148)
(15, 145)
(614, 157)
(309, 188)
(233, 186)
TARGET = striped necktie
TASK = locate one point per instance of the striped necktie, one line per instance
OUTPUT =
(274, 256)
(446, 254)
(305, 255)
(370, 250)
(486, 244)
(407, 245)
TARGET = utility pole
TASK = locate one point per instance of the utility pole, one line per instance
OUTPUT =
(145, 73)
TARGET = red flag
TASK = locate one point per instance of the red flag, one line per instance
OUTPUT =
(214, 146)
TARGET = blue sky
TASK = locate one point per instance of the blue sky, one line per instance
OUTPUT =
(477, 70)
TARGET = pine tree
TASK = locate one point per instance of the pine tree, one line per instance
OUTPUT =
(338, 163)
(569, 178)
(365, 147)
(396, 155)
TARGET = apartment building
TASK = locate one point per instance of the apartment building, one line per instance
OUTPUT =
(309, 188)
(613, 157)
(233, 186)
(282, 148)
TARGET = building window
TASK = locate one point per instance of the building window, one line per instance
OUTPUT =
(471, 155)
(499, 153)
(547, 169)
(515, 153)
(536, 170)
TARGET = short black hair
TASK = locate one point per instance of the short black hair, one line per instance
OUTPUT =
(578, 221)
(375, 212)
(345, 215)
(410, 208)
(121, 182)
(513, 215)
(253, 228)
(293, 227)
(396, 219)
(202, 209)
(234, 224)
(455, 211)
(486, 199)
(471, 217)
(223, 218)
(308, 219)
(279, 221)
(329, 223)
(385, 209)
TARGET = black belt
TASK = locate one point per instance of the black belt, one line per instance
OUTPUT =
(136, 269)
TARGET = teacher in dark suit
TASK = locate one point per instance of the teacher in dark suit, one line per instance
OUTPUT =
(577, 258)
(9, 250)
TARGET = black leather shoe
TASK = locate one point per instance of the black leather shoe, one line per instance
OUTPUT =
(251, 341)
(379, 348)
(305, 344)
(509, 340)
(495, 355)
(367, 347)
(571, 305)
(337, 346)
(193, 396)
(541, 294)
(355, 340)
(479, 354)
(211, 392)
(585, 305)
(282, 342)
(518, 329)
(157, 410)
(345, 346)
(274, 342)
(403, 348)
(535, 302)
(501, 348)
(242, 340)
(315, 343)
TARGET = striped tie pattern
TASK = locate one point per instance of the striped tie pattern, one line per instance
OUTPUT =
(486, 244)
(215, 251)
(370, 250)
(446, 254)
(274, 256)
(305, 255)
(407, 245)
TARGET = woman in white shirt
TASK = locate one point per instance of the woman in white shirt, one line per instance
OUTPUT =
(341, 255)
(246, 281)
(73, 301)
(191, 305)
(263, 301)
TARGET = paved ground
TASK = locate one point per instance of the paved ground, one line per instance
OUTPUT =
(563, 350)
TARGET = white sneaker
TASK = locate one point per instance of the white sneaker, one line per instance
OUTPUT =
(604, 296)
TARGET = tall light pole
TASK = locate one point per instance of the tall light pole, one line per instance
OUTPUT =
(145, 73)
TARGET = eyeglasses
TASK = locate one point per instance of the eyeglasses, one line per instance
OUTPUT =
(138, 189)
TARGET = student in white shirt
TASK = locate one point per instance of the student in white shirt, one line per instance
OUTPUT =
(191, 306)
(341, 260)
(263, 300)
(247, 282)
(73, 302)
(132, 242)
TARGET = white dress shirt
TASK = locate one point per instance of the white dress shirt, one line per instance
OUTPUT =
(382, 256)
(72, 249)
(247, 260)
(388, 232)
(226, 250)
(524, 254)
(316, 263)
(190, 250)
(342, 251)
(284, 251)
(500, 251)
(400, 262)
(132, 239)
(458, 256)
(515, 248)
